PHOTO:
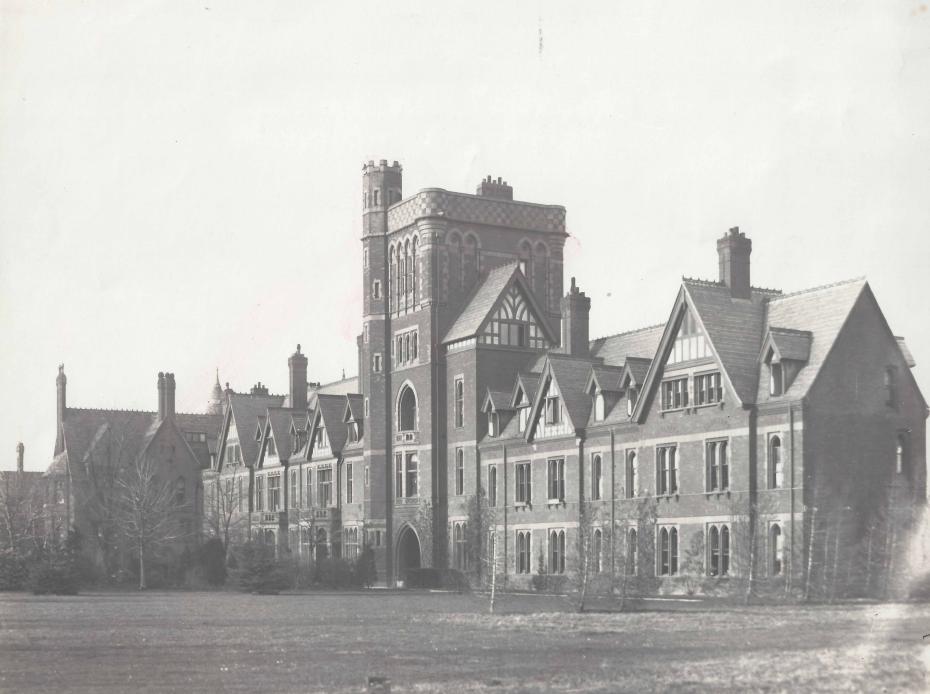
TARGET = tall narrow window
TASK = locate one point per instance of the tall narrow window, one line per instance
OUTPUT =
(407, 410)
(459, 404)
(597, 477)
(459, 471)
(553, 410)
(413, 475)
(668, 551)
(324, 486)
(523, 552)
(718, 467)
(632, 552)
(776, 379)
(724, 551)
(459, 553)
(557, 552)
(556, 478)
(492, 424)
(666, 470)
(293, 491)
(776, 466)
(599, 407)
(523, 487)
(777, 549)
(596, 550)
(632, 482)
(399, 475)
(258, 502)
(630, 400)
(349, 484)
(713, 540)
(492, 485)
(524, 418)
(900, 455)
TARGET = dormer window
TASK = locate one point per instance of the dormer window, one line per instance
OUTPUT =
(353, 432)
(630, 400)
(776, 379)
(599, 407)
(493, 424)
(321, 439)
(272, 451)
(523, 417)
(553, 410)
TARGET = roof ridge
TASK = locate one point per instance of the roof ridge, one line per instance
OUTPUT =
(790, 330)
(630, 332)
(698, 280)
(110, 409)
(821, 287)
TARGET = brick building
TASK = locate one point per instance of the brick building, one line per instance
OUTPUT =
(753, 432)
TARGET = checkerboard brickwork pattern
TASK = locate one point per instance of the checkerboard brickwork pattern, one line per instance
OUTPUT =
(478, 210)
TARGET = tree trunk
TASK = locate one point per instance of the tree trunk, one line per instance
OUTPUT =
(141, 566)
(493, 576)
(810, 555)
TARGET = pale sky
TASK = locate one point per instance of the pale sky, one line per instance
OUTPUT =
(180, 182)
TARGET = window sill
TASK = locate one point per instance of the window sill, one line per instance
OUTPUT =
(523, 505)
(551, 503)
(718, 493)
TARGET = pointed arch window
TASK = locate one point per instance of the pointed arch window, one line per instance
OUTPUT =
(557, 552)
(668, 551)
(597, 477)
(777, 549)
(407, 410)
(597, 543)
(776, 464)
(599, 407)
(632, 551)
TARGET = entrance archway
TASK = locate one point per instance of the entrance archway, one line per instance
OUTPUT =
(408, 553)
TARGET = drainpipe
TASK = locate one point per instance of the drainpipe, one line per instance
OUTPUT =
(791, 487)
(613, 505)
(504, 470)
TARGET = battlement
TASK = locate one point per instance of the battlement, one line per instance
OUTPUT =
(381, 166)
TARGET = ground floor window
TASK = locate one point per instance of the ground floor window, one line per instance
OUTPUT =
(557, 551)
(632, 550)
(459, 554)
(668, 552)
(718, 544)
(524, 538)
(596, 550)
(351, 543)
(777, 549)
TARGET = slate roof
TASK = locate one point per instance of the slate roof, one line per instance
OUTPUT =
(822, 311)
(209, 424)
(789, 344)
(529, 382)
(279, 420)
(614, 349)
(331, 409)
(571, 376)
(606, 377)
(500, 400)
(637, 367)
(735, 330)
(246, 410)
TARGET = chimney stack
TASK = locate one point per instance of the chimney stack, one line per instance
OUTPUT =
(259, 389)
(297, 368)
(733, 251)
(169, 395)
(489, 188)
(20, 449)
(162, 399)
(61, 384)
(575, 309)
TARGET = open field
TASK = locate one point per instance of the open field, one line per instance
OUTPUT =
(441, 642)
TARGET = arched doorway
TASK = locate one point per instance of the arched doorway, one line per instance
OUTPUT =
(408, 553)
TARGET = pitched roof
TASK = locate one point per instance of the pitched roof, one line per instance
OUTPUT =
(636, 368)
(604, 377)
(123, 433)
(331, 408)
(571, 375)
(485, 297)
(356, 406)
(734, 328)
(614, 349)
(279, 422)
(528, 382)
(499, 400)
(821, 311)
(793, 345)
(246, 410)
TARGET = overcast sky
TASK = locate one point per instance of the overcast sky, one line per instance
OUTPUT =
(180, 182)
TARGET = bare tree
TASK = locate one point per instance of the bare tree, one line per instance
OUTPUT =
(481, 542)
(21, 514)
(221, 512)
(147, 511)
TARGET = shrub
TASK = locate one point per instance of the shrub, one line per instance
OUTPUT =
(259, 571)
(366, 569)
(335, 573)
(211, 558)
(14, 570)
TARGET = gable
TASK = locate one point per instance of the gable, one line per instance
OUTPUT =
(513, 322)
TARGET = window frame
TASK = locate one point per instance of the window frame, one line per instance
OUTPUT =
(555, 482)
(459, 472)
(631, 462)
(523, 484)
(597, 476)
(667, 548)
(716, 466)
(458, 402)
(666, 470)
(674, 393)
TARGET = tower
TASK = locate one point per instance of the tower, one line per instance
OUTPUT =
(215, 403)
(382, 186)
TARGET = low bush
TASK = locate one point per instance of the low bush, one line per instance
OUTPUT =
(14, 570)
(211, 559)
(259, 571)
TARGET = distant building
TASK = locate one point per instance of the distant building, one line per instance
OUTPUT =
(22, 506)
(95, 446)
(750, 418)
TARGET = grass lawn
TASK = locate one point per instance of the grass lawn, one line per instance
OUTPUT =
(186, 642)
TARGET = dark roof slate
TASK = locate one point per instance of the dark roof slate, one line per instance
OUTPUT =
(247, 410)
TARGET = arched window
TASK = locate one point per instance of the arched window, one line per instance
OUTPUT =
(557, 552)
(526, 261)
(415, 272)
(596, 550)
(668, 551)
(713, 541)
(777, 548)
(394, 291)
(413, 346)
(900, 456)
(597, 477)
(632, 480)
(408, 277)
(407, 410)
(407, 355)
(724, 551)
(632, 549)
(599, 407)
(776, 466)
